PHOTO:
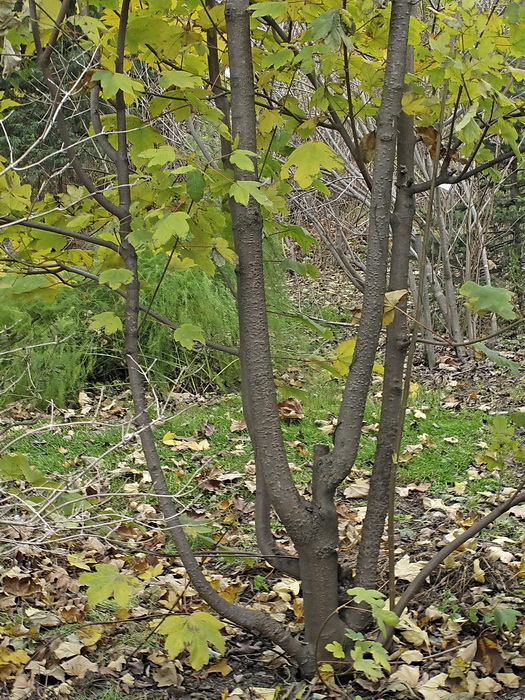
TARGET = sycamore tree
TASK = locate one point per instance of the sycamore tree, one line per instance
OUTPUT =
(256, 86)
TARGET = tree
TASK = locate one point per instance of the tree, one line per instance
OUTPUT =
(144, 64)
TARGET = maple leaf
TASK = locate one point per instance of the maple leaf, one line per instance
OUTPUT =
(308, 159)
(107, 582)
(187, 334)
(485, 299)
(193, 632)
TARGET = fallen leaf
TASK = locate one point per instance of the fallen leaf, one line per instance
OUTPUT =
(78, 666)
(71, 646)
(488, 654)
(409, 675)
(407, 570)
(290, 409)
(412, 656)
(222, 667)
(16, 582)
(488, 685)
(167, 676)
(11, 661)
(518, 511)
(479, 574)
(509, 680)
(359, 489)
(238, 425)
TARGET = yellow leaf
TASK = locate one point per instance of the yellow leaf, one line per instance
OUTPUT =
(392, 299)
(479, 574)
(222, 667)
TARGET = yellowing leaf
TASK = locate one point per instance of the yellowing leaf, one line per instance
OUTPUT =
(111, 83)
(479, 574)
(222, 667)
(11, 661)
(159, 156)
(243, 159)
(91, 634)
(174, 225)
(309, 159)
(392, 299)
(193, 632)
(108, 582)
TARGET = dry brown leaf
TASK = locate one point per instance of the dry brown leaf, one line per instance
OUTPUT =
(518, 511)
(290, 409)
(409, 675)
(16, 582)
(367, 147)
(488, 654)
(71, 646)
(412, 656)
(78, 666)
(167, 676)
(487, 685)
(238, 425)
(509, 680)
(42, 617)
(408, 570)
(429, 137)
(359, 489)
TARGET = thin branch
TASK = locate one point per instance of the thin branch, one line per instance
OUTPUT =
(12, 221)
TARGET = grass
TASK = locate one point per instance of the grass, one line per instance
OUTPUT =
(439, 444)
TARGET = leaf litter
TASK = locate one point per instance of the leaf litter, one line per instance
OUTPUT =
(64, 629)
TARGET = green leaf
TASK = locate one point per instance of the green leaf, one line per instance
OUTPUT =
(178, 79)
(323, 26)
(518, 419)
(269, 9)
(336, 650)
(193, 632)
(384, 617)
(187, 334)
(276, 60)
(195, 185)
(116, 277)
(106, 321)
(365, 595)
(13, 465)
(302, 269)
(369, 667)
(300, 236)
(487, 299)
(108, 582)
(505, 617)
(171, 226)
(376, 601)
(286, 392)
(243, 159)
(313, 325)
(159, 156)
(111, 83)
(308, 160)
(498, 359)
(242, 190)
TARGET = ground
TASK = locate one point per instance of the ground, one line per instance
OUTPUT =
(69, 636)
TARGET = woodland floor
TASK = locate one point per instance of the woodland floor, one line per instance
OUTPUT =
(450, 644)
